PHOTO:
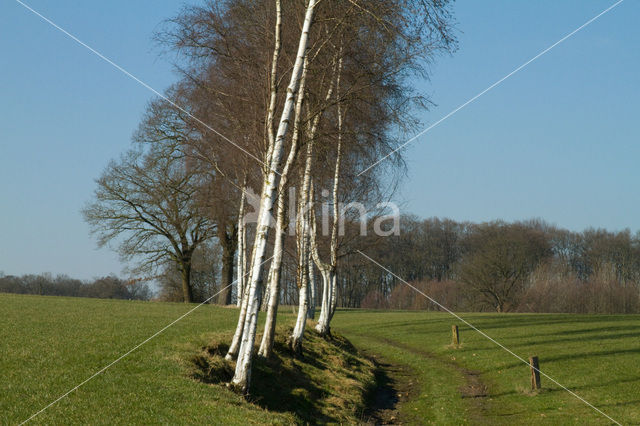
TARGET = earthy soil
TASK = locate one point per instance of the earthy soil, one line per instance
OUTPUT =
(394, 385)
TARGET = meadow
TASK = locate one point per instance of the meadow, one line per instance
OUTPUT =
(51, 344)
(595, 356)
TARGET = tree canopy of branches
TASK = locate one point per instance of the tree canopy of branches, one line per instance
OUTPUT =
(145, 203)
(499, 259)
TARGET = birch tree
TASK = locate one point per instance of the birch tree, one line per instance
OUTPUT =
(236, 66)
(241, 265)
(276, 263)
(241, 377)
(302, 220)
(246, 301)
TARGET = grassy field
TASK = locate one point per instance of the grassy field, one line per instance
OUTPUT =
(50, 344)
(597, 357)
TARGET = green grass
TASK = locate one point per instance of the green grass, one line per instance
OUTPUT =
(596, 356)
(50, 344)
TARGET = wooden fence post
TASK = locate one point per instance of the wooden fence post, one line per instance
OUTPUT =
(455, 337)
(535, 372)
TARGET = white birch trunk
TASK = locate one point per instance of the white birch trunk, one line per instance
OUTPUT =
(326, 272)
(242, 376)
(329, 271)
(334, 229)
(241, 262)
(235, 341)
(334, 297)
(312, 289)
(266, 345)
(242, 279)
(295, 341)
(273, 84)
(305, 208)
(267, 291)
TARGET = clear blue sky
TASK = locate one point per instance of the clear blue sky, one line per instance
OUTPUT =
(557, 140)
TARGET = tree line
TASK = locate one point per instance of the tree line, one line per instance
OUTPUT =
(528, 266)
(109, 287)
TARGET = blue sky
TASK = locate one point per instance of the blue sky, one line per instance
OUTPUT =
(557, 140)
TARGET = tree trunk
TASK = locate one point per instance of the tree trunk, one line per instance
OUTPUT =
(185, 273)
(268, 336)
(295, 341)
(273, 84)
(305, 208)
(326, 272)
(234, 347)
(228, 243)
(228, 254)
(242, 376)
(241, 268)
(311, 313)
(329, 272)
(334, 295)
(322, 327)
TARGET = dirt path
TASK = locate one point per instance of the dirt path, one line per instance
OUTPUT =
(396, 384)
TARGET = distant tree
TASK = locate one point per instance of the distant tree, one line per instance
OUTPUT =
(145, 203)
(498, 260)
(205, 275)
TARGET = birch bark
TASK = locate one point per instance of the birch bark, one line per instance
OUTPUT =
(242, 376)
(303, 231)
(241, 262)
(329, 271)
(311, 313)
(266, 344)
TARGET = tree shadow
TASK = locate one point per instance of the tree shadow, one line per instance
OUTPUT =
(573, 356)
(280, 384)
(594, 338)
(288, 382)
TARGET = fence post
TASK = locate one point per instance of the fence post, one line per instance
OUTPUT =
(535, 372)
(455, 337)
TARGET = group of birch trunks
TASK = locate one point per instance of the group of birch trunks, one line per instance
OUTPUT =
(307, 94)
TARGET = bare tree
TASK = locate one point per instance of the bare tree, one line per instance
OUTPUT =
(499, 259)
(145, 203)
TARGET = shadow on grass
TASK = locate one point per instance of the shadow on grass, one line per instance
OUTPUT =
(280, 383)
(574, 356)
(589, 338)
(327, 383)
(574, 388)
(498, 321)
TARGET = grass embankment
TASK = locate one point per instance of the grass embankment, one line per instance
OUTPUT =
(596, 356)
(330, 382)
(51, 344)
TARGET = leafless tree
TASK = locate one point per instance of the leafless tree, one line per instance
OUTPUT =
(145, 203)
(499, 259)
